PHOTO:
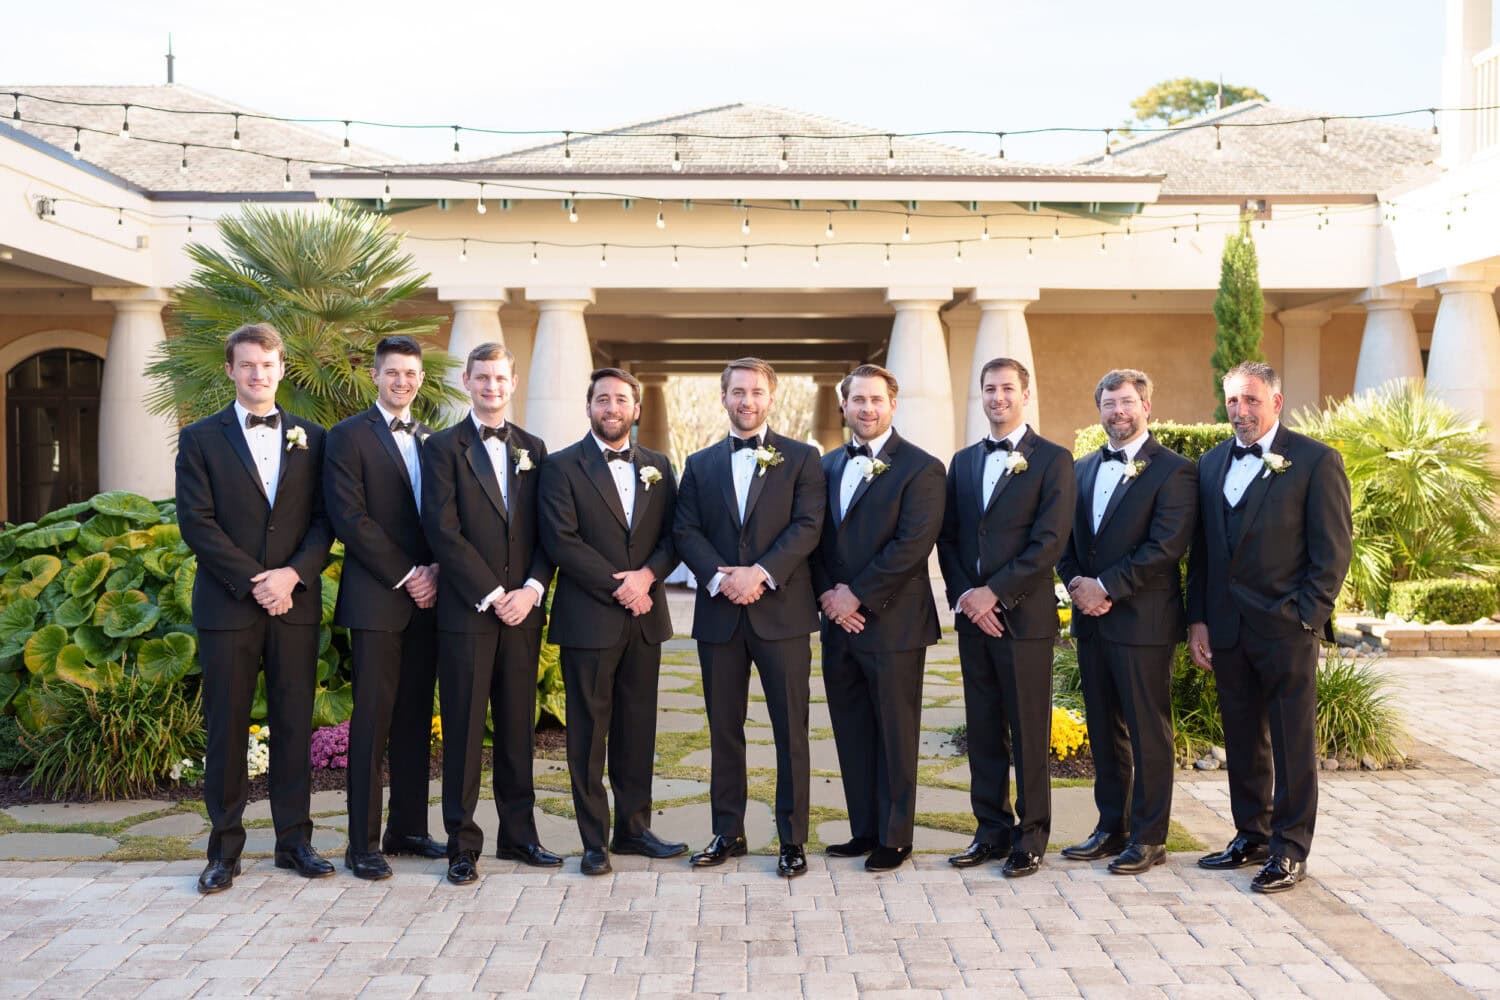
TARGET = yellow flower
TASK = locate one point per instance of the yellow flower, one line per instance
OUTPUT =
(1069, 733)
(437, 729)
(254, 730)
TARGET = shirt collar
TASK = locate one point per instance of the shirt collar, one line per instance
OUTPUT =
(1265, 439)
(1014, 437)
(603, 447)
(1133, 448)
(878, 445)
(240, 413)
(389, 416)
(759, 435)
(475, 417)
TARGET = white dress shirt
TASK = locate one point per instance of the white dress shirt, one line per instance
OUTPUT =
(623, 474)
(1242, 472)
(406, 443)
(994, 464)
(499, 454)
(743, 467)
(855, 471)
(1111, 474)
(265, 448)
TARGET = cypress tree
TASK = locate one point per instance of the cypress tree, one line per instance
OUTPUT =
(1239, 309)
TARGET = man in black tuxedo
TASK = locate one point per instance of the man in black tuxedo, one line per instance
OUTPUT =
(748, 515)
(250, 506)
(885, 506)
(479, 509)
(372, 479)
(1137, 504)
(1009, 507)
(1273, 543)
(606, 520)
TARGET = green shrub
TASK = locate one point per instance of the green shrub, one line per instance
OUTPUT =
(1196, 722)
(15, 756)
(1456, 602)
(1067, 682)
(1190, 441)
(119, 741)
(1355, 714)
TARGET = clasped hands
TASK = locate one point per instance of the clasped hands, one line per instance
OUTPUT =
(980, 606)
(421, 585)
(841, 606)
(513, 606)
(634, 591)
(1089, 597)
(742, 584)
(273, 589)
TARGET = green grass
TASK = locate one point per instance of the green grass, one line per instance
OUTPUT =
(153, 849)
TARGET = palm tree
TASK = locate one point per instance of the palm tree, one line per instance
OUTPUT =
(1422, 484)
(332, 280)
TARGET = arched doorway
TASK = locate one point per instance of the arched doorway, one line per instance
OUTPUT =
(52, 431)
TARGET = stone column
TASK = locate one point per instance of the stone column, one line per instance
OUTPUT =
(828, 419)
(560, 364)
(136, 448)
(1302, 357)
(654, 430)
(1389, 349)
(476, 320)
(962, 324)
(918, 355)
(1465, 353)
(1002, 334)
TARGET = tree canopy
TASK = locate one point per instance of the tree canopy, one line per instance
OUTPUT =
(1172, 101)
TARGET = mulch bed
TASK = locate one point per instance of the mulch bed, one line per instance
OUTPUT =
(1080, 765)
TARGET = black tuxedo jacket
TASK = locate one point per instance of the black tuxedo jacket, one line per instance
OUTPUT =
(783, 517)
(1295, 541)
(880, 548)
(478, 542)
(1012, 543)
(235, 533)
(583, 530)
(1137, 551)
(370, 502)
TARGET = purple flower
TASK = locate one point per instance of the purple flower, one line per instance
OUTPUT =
(330, 747)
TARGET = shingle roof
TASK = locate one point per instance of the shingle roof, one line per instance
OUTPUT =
(156, 167)
(1363, 157)
(625, 151)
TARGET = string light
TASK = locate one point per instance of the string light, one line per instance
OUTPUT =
(463, 252)
(1174, 237)
(234, 140)
(890, 151)
(572, 204)
(1029, 252)
(479, 205)
(604, 255)
(745, 258)
(906, 231)
(124, 124)
(183, 168)
(1000, 152)
(1056, 228)
(567, 152)
(286, 177)
(455, 141)
(1197, 228)
(1437, 140)
(676, 154)
(986, 234)
(1127, 232)
(817, 256)
(782, 164)
(77, 141)
(1107, 150)
(745, 223)
(1103, 248)
(387, 188)
(958, 252)
(16, 110)
(534, 257)
(661, 220)
(887, 255)
(346, 135)
(1218, 143)
(119, 217)
(1323, 145)
(675, 261)
(828, 232)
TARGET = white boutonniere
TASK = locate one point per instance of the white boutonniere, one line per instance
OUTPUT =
(877, 468)
(766, 457)
(650, 476)
(1133, 469)
(523, 460)
(296, 437)
(1274, 463)
(1015, 463)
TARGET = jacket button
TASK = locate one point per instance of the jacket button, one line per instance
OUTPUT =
(271, 527)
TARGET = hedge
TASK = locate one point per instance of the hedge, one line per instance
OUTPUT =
(1456, 602)
(1190, 441)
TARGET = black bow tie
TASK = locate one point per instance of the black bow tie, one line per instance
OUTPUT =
(271, 420)
(623, 455)
(1110, 455)
(990, 444)
(501, 434)
(736, 442)
(855, 450)
(1237, 453)
(398, 425)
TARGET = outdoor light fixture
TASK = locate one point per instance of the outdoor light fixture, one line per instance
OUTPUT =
(463, 252)
(745, 257)
(986, 234)
(604, 255)
(387, 189)
(1107, 150)
(906, 231)
(183, 168)
(572, 209)
(479, 205)
(124, 124)
(77, 141)
(455, 142)
(346, 135)
(1029, 252)
(1437, 140)
(958, 253)
(661, 220)
(234, 141)
(887, 255)
(1218, 143)
(675, 261)
(1056, 228)
(1323, 145)
(1000, 151)
(817, 257)
(781, 164)
(567, 152)
(676, 154)
(829, 231)
(533, 252)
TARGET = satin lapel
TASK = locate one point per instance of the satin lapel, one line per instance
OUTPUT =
(1086, 483)
(835, 486)
(887, 455)
(1213, 470)
(758, 478)
(1255, 494)
(286, 454)
(1026, 446)
(642, 494)
(484, 470)
(597, 470)
(724, 473)
(236, 438)
(387, 441)
(1148, 449)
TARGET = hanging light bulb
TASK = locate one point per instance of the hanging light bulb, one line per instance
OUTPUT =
(745, 257)
(387, 190)
(887, 255)
(958, 252)
(15, 111)
(817, 257)
(745, 223)
(455, 142)
(1323, 144)
(661, 220)
(1056, 228)
(676, 154)
(1000, 151)
(479, 205)
(463, 252)
(190, 223)
(1029, 253)
(346, 135)
(1174, 237)
(125, 124)
(782, 164)
(534, 257)
(986, 234)
(1218, 143)
(572, 209)
(1127, 232)
(890, 152)
(286, 177)
(906, 231)
(1103, 249)
(182, 169)
(1107, 150)
(1437, 140)
(567, 151)
(119, 217)
(1197, 228)
(604, 255)
(234, 140)
(829, 231)
(77, 141)
(675, 261)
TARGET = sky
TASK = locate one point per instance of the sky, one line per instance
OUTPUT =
(1002, 65)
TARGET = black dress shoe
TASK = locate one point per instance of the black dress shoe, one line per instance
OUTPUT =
(595, 863)
(974, 855)
(463, 868)
(420, 845)
(1279, 875)
(647, 845)
(858, 847)
(1137, 859)
(719, 850)
(1021, 864)
(305, 861)
(218, 875)
(1098, 845)
(885, 859)
(369, 865)
(534, 855)
(793, 861)
(1238, 854)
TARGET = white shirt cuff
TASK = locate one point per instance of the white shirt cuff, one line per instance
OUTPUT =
(961, 599)
(713, 585)
(1101, 586)
(489, 599)
(402, 583)
(769, 582)
(539, 587)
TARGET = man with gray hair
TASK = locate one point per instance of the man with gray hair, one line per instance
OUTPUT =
(1268, 557)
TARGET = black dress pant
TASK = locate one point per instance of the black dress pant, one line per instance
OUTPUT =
(1268, 696)
(1008, 711)
(612, 712)
(875, 704)
(232, 659)
(785, 666)
(394, 676)
(494, 670)
(1127, 698)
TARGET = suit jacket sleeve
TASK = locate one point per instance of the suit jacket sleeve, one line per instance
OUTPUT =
(558, 531)
(796, 542)
(1172, 522)
(461, 563)
(687, 528)
(198, 520)
(1049, 532)
(344, 491)
(542, 567)
(955, 580)
(917, 528)
(1196, 584)
(312, 553)
(1329, 530)
(663, 559)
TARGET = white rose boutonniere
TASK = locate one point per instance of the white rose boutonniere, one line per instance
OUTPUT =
(650, 476)
(766, 457)
(1274, 463)
(877, 468)
(1133, 469)
(523, 460)
(296, 437)
(1015, 463)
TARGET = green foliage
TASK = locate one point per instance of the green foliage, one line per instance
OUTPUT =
(1172, 101)
(550, 695)
(1190, 441)
(1355, 714)
(1422, 488)
(116, 742)
(1239, 309)
(14, 755)
(331, 280)
(1196, 722)
(1456, 602)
